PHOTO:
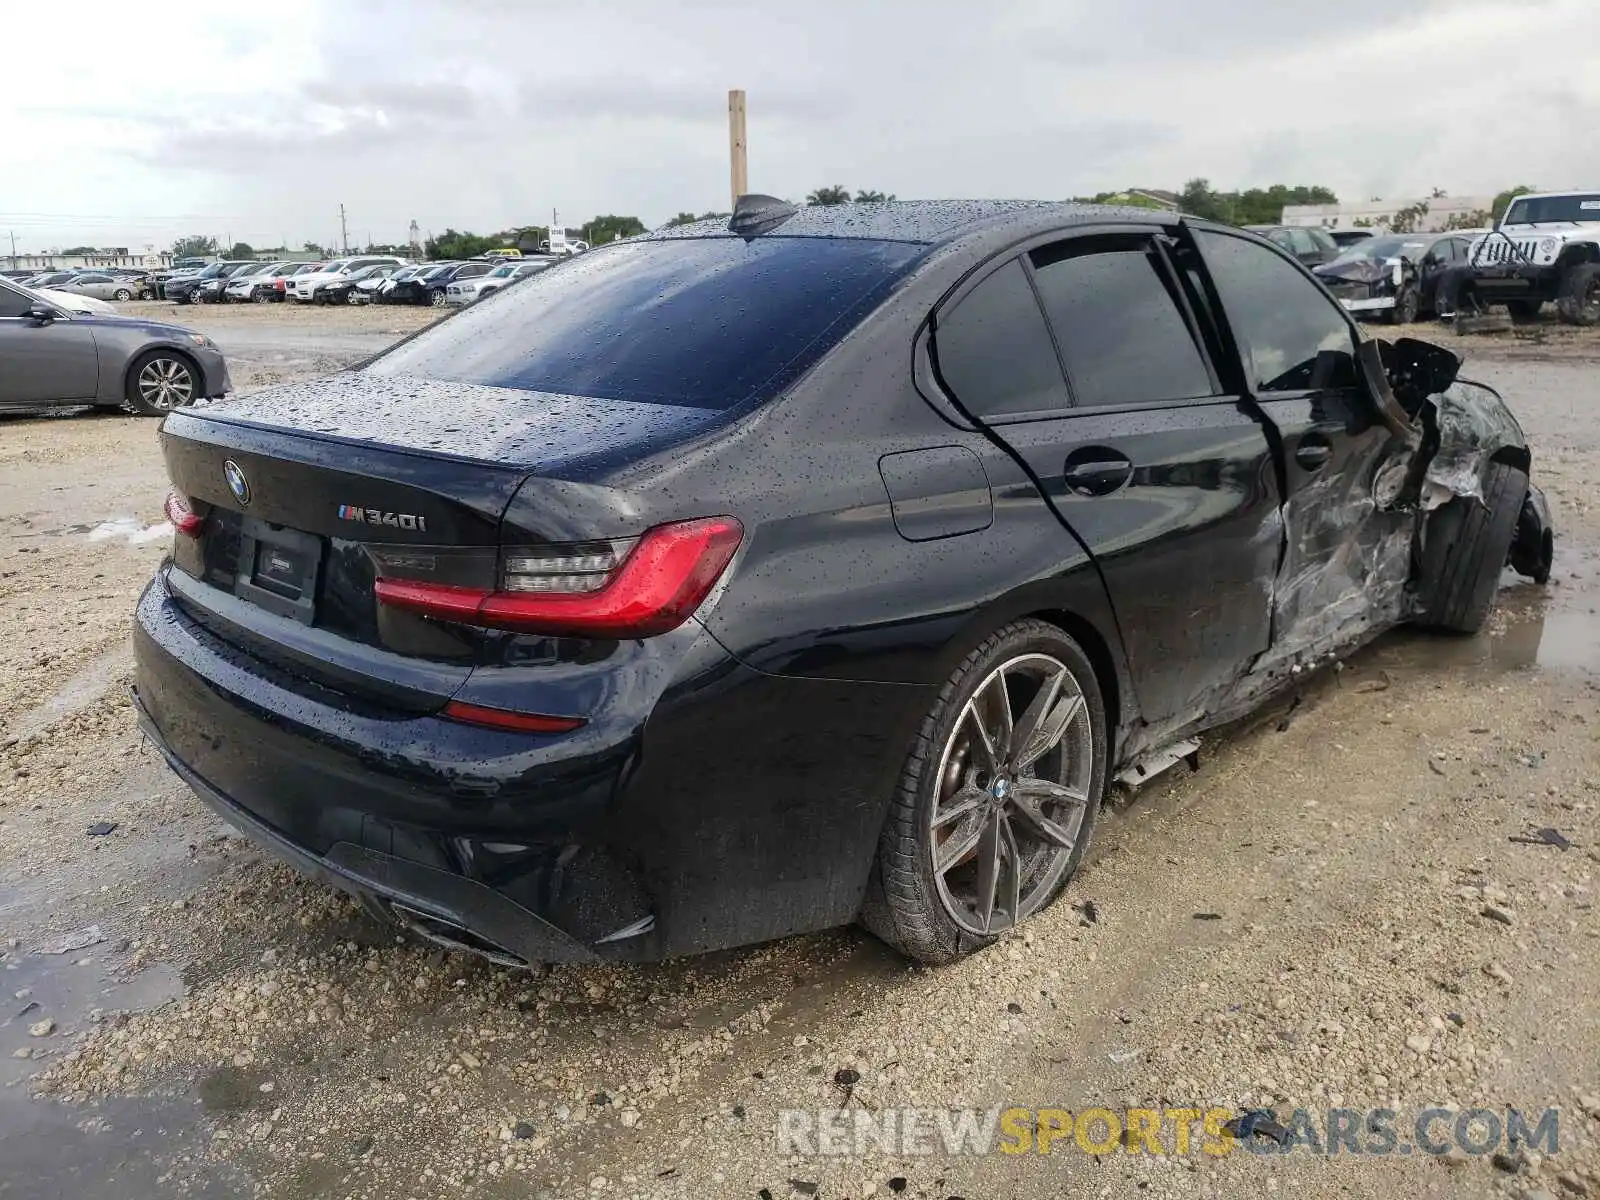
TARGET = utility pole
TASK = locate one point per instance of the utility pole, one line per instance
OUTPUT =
(13, 249)
(737, 146)
(344, 232)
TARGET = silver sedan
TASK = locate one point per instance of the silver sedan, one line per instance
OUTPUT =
(103, 287)
(50, 357)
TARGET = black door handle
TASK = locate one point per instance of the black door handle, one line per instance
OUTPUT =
(1313, 453)
(1097, 476)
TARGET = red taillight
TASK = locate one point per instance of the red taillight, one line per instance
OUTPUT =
(655, 588)
(504, 718)
(279, 286)
(184, 519)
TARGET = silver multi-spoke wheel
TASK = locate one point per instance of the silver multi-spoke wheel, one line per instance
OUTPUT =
(166, 383)
(1014, 783)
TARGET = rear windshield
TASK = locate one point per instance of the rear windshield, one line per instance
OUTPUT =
(700, 322)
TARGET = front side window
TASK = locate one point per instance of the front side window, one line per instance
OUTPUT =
(1293, 335)
(1121, 332)
(994, 349)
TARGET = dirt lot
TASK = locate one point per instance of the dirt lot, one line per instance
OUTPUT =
(1330, 912)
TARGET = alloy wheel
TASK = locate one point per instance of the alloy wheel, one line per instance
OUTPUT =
(1012, 793)
(166, 383)
(439, 300)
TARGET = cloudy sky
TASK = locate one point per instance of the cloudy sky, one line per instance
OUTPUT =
(256, 119)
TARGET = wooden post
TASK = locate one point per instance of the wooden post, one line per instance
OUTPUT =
(738, 164)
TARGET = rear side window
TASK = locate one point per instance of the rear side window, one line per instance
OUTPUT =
(995, 352)
(1293, 334)
(702, 322)
(1121, 332)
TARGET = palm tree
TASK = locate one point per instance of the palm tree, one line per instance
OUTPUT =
(829, 195)
(867, 197)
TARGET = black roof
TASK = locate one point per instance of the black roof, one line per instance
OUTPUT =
(925, 222)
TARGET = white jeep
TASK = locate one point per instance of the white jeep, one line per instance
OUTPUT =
(1546, 247)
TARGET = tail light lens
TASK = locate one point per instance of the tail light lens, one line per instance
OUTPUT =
(600, 589)
(184, 519)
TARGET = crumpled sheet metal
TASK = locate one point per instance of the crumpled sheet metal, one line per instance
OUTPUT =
(1347, 566)
(1343, 574)
(1473, 425)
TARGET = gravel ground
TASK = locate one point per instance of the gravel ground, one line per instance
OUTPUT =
(1244, 936)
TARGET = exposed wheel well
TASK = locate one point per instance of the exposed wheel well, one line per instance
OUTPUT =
(1583, 252)
(194, 365)
(1099, 655)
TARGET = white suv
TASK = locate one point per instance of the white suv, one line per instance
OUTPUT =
(1546, 247)
(304, 287)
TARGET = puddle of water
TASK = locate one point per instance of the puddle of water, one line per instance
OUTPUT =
(1531, 627)
(111, 1149)
(78, 692)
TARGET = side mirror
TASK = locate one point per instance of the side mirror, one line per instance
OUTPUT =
(42, 314)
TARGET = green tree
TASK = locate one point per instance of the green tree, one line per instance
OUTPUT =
(1199, 200)
(829, 196)
(81, 250)
(610, 228)
(1504, 199)
(870, 197)
(458, 244)
(311, 248)
(242, 250)
(194, 246)
(1469, 220)
(1409, 219)
(683, 218)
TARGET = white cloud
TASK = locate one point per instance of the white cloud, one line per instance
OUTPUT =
(259, 120)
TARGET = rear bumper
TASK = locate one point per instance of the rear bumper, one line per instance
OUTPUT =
(724, 808)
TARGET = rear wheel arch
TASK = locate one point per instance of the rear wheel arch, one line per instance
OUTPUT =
(1098, 651)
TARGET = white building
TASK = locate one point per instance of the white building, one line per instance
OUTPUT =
(1442, 212)
(112, 256)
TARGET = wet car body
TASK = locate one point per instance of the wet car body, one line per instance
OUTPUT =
(1396, 276)
(724, 779)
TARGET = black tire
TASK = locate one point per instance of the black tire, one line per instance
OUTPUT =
(903, 905)
(137, 390)
(1406, 304)
(184, 297)
(1524, 310)
(1465, 549)
(1579, 301)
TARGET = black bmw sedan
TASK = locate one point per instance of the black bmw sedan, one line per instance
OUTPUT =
(737, 581)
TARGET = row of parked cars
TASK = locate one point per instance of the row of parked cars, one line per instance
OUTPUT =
(101, 283)
(359, 279)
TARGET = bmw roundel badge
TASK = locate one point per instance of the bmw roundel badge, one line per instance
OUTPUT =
(237, 483)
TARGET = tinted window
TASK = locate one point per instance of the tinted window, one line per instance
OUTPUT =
(1120, 330)
(472, 271)
(706, 322)
(1321, 241)
(14, 304)
(995, 351)
(1585, 207)
(1282, 320)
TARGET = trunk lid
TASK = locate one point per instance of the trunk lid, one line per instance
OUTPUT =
(309, 493)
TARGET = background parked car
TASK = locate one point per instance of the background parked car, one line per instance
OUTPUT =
(341, 288)
(1310, 246)
(57, 357)
(1395, 277)
(184, 290)
(260, 286)
(46, 279)
(430, 288)
(1349, 237)
(466, 291)
(304, 287)
(104, 287)
(215, 291)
